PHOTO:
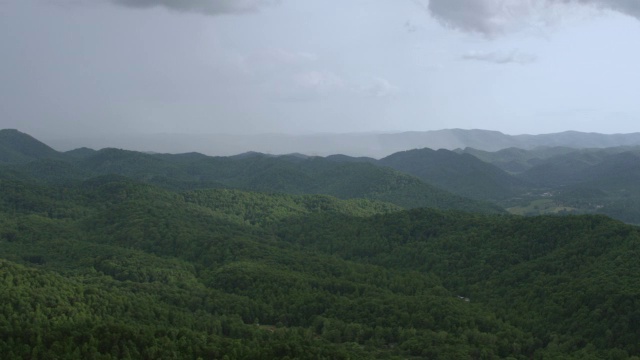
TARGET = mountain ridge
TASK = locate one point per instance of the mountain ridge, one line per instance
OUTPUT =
(376, 145)
(18, 147)
(289, 174)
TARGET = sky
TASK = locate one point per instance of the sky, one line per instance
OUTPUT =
(72, 68)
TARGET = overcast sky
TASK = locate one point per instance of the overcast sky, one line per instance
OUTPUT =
(84, 67)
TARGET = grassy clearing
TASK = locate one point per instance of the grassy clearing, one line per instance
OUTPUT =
(541, 206)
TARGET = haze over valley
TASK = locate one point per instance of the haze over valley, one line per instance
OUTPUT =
(109, 69)
(279, 179)
(356, 144)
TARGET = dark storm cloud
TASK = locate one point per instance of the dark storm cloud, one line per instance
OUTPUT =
(208, 7)
(492, 17)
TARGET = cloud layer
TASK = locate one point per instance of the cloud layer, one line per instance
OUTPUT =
(629, 7)
(494, 17)
(207, 7)
(513, 57)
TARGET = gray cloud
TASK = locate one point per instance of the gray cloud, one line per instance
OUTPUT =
(629, 7)
(469, 15)
(208, 7)
(494, 17)
(379, 88)
(513, 57)
(411, 28)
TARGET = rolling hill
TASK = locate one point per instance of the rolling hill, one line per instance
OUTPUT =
(516, 160)
(291, 174)
(461, 174)
(115, 268)
(564, 180)
(376, 145)
(17, 147)
(542, 180)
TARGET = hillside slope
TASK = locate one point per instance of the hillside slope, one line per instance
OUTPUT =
(461, 174)
(375, 145)
(113, 268)
(17, 147)
(257, 172)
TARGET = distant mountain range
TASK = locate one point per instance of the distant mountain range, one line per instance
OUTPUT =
(120, 254)
(290, 174)
(375, 145)
(535, 181)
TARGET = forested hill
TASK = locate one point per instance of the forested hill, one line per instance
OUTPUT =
(113, 268)
(18, 147)
(515, 160)
(462, 174)
(285, 174)
(566, 180)
(556, 180)
(377, 145)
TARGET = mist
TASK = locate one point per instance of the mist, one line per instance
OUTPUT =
(179, 76)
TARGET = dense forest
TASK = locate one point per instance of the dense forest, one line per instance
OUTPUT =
(567, 180)
(290, 174)
(101, 263)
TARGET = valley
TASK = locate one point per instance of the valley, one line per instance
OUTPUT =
(118, 254)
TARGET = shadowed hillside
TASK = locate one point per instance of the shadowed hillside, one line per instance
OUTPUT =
(291, 174)
(463, 174)
(17, 147)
